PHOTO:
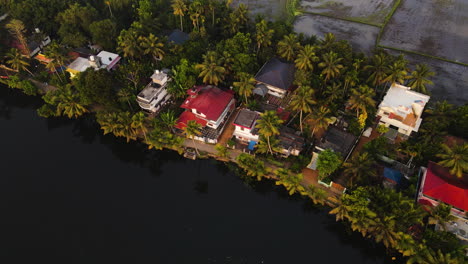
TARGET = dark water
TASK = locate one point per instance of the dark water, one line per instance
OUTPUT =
(70, 195)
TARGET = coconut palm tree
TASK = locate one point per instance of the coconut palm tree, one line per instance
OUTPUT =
(125, 95)
(138, 123)
(108, 122)
(191, 130)
(320, 118)
(302, 101)
(17, 29)
(179, 8)
(331, 65)
(342, 211)
(252, 166)
(441, 214)
(288, 46)
(316, 194)
(222, 151)
(56, 53)
(419, 78)
(429, 256)
(16, 61)
(333, 92)
(128, 43)
(292, 182)
(378, 69)
(126, 129)
(245, 85)
(69, 103)
(306, 58)
(263, 35)
(396, 73)
(328, 41)
(361, 99)
(268, 126)
(152, 46)
(210, 70)
(359, 167)
(455, 159)
(168, 119)
(383, 230)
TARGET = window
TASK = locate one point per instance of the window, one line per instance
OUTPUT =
(386, 113)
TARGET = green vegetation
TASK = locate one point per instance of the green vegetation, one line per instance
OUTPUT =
(225, 48)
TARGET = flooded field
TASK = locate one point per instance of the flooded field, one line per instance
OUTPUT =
(438, 28)
(368, 11)
(270, 9)
(362, 37)
(450, 81)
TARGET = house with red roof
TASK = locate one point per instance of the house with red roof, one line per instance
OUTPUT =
(439, 186)
(209, 106)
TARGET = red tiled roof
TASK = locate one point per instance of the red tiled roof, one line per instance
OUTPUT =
(440, 185)
(185, 117)
(208, 100)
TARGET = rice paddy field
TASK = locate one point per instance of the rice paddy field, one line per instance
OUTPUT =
(438, 28)
(432, 32)
(366, 11)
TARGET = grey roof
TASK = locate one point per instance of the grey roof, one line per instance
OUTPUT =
(337, 140)
(178, 37)
(246, 118)
(276, 73)
(289, 139)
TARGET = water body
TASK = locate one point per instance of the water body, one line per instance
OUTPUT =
(70, 195)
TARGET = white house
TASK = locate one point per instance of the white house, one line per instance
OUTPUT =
(401, 109)
(155, 94)
(244, 125)
(277, 76)
(37, 42)
(104, 60)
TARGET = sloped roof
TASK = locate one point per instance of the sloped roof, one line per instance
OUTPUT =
(178, 37)
(337, 140)
(246, 118)
(185, 117)
(440, 185)
(276, 73)
(208, 100)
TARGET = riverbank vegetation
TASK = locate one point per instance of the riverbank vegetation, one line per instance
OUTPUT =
(226, 48)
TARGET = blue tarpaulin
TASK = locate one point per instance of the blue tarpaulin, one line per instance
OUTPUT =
(252, 145)
(393, 175)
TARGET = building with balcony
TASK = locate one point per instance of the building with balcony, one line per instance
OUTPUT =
(401, 109)
(103, 60)
(155, 94)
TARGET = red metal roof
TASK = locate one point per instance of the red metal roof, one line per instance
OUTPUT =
(208, 100)
(440, 185)
(187, 116)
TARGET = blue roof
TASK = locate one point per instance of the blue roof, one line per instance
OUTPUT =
(252, 145)
(393, 175)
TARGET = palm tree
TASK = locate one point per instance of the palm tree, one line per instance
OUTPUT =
(302, 101)
(126, 128)
(429, 256)
(108, 122)
(56, 53)
(127, 96)
(17, 29)
(222, 151)
(168, 119)
(331, 65)
(419, 78)
(384, 231)
(16, 61)
(152, 46)
(211, 71)
(328, 41)
(455, 159)
(191, 130)
(333, 92)
(396, 74)
(359, 167)
(245, 85)
(263, 34)
(252, 166)
(179, 8)
(138, 123)
(128, 43)
(288, 46)
(378, 68)
(291, 182)
(441, 214)
(69, 103)
(342, 211)
(305, 58)
(361, 99)
(316, 194)
(320, 118)
(268, 126)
